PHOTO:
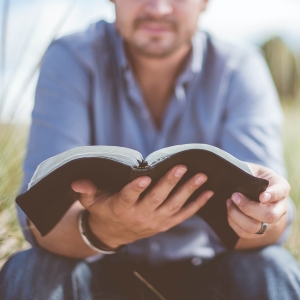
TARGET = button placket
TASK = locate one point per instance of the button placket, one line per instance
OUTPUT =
(173, 113)
(141, 111)
(196, 261)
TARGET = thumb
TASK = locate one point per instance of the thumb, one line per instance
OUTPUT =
(278, 190)
(86, 192)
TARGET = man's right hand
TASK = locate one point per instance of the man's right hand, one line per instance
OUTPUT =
(124, 217)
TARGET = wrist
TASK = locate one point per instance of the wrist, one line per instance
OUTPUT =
(104, 241)
(91, 239)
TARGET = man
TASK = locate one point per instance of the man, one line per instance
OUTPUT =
(146, 82)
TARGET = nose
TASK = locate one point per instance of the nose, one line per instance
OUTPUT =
(159, 8)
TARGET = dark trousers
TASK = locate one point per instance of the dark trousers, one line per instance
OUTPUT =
(268, 273)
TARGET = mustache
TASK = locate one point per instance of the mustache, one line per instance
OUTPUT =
(164, 21)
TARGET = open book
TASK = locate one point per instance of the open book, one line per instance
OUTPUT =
(49, 193)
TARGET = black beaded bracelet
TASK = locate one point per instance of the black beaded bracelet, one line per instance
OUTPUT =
(90, 239)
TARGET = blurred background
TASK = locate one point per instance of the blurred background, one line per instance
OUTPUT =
(28, 26)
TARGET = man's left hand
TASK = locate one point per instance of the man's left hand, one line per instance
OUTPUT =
(246, 216)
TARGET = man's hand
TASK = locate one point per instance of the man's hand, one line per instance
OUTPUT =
(123, 218)
(246, 216)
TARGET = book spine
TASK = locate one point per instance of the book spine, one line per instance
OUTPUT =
(143, 165)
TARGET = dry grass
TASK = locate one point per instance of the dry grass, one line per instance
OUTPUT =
(291, 137)
(12, 145)
(13, 138)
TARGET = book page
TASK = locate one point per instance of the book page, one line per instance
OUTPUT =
(120, 154)
(164, 153)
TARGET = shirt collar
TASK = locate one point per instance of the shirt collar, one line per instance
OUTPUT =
(195, 61)
(197, 52)
(120, 51)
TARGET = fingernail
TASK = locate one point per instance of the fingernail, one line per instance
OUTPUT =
(267, 197)
(228, 202)
(210, 194)
(236, 198)
(144, 182)
(179, 172)
(199, 179)
(77, 186)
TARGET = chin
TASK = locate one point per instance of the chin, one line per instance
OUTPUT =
(154, 52)
(156, 49)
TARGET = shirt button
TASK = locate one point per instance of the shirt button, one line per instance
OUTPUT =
(196, 261)
(128, 74)
(145, 115)
(155, 247)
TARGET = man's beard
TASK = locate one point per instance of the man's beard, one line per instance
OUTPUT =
(148, 49)
(151, 52)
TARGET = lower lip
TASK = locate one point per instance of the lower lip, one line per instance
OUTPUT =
(155, 30)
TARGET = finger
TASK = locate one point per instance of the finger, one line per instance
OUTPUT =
(190, 209)
(248, 224)
(238, 230)
(269, 213)
(278, 190)
(86, 191)
(162, 189)
(177, 200)
(131, 192)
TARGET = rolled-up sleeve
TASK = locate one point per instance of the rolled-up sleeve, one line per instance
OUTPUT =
(61, 114)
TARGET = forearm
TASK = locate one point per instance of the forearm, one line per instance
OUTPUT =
(270, 237)
(65, 239)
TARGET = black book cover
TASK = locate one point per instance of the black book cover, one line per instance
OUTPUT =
(49, 195)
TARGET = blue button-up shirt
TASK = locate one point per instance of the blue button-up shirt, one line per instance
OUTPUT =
(87, 94)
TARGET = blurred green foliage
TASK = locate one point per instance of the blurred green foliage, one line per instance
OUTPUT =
(12, 146)
(291, 139)
(285, 68)
(284, 65)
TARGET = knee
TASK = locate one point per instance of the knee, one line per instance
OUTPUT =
(272, 271)
(40, 267)
(39, 261)
(268, 258)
